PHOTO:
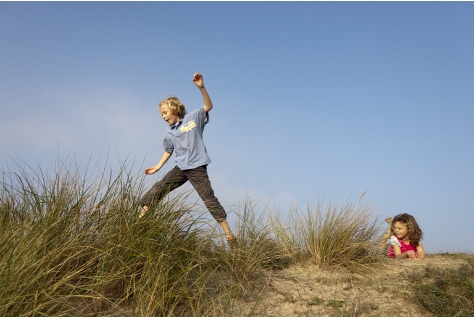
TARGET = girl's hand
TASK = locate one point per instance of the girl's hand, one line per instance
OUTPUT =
(198, 80)
(411, 254)
(420, 254)
(151, 170)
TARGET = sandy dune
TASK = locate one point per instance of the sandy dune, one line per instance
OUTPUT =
(310, 291)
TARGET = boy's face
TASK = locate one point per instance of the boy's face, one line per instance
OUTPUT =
(169, 116)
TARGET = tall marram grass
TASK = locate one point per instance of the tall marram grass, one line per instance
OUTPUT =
(258, 249)
(71, 245)
(344, 234)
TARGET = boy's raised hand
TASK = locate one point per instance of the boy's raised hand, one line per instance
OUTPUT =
(198, 80)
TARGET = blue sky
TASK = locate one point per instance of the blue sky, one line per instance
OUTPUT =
(312, 100)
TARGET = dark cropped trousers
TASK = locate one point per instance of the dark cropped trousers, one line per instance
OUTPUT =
(198, 178)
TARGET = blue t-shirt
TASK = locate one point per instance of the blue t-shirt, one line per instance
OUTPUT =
(185, 140)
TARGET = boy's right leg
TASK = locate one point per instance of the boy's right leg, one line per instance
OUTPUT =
(172, 180)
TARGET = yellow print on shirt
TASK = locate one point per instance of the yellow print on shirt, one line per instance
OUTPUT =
(188, 127)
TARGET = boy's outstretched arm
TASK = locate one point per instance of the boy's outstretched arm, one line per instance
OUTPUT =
(199, 81)
(152, 170)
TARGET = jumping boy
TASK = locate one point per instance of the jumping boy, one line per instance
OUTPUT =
(184, 138)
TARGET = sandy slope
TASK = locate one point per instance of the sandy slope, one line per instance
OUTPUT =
(310, 291)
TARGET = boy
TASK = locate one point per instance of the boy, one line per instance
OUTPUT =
(184, 137)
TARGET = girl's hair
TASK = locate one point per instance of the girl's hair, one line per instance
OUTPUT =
(414, 232)
(174, 104)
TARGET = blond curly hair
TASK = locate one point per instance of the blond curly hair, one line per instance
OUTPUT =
(174, 104)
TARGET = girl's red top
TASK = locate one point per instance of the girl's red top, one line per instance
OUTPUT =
(404, 247)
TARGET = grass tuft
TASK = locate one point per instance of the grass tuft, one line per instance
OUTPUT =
(332, 235)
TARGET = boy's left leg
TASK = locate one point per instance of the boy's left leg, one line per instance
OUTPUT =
(200, 180)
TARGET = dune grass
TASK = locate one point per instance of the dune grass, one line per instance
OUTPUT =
(446, 293)
(71, 245)
(342, 234)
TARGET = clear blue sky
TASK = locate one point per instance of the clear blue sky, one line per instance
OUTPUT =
(312, 100)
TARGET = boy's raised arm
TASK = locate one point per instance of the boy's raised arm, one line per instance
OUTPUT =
(199, 81)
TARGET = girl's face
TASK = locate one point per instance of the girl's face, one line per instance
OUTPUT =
(168, 115)
(400, 230)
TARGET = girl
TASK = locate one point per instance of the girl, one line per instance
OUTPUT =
(406, 238)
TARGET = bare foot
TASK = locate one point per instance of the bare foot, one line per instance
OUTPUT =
(143, 212)
(231, 239)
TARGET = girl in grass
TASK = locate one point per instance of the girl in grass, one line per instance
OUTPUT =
(405, 241)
